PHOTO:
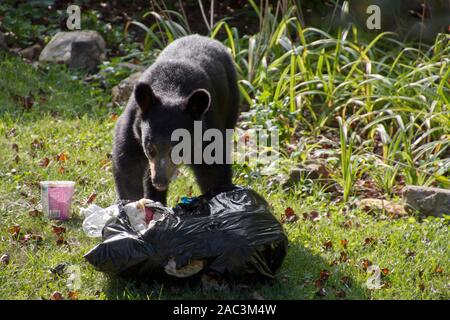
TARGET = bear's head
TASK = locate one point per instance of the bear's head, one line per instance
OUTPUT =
(159, 118)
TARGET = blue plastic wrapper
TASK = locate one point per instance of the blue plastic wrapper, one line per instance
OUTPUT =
(231, 231)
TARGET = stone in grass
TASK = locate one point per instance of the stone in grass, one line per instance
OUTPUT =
(131, 66)
(392, 209)
(313, 171)
(32, 52)
(82, 50)
(123, 90)
(426, 200)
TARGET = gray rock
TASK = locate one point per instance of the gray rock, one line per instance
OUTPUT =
(123, 90)
(428, 201)
(133, 67)
(32, 52)
(391, 208)
(83, 50)
(313, 171)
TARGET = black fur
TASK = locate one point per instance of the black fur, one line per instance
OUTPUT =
(193, 78)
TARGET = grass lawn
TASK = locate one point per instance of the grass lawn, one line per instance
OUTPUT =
(66, 135)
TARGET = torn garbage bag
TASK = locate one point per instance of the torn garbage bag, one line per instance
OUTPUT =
(230, 232)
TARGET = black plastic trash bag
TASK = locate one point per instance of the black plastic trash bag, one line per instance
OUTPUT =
(232, 232)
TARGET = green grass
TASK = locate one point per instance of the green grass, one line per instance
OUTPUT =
(415, 251)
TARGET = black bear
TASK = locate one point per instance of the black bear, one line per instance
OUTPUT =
(193, 79)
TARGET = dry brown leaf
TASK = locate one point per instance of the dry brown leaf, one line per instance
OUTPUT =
(37, 144)
(91, 198)
(340, 294)
(324, 275)
(44, 162)
(35, 213)
(58, 230)
(62, 157)
(56, 296)
(346, 281)
(289, 216)
(366, 263)
(343, 257)
(72, 295)
(14, 230)
(5, 259)
(328, 245)
(439, 270)
(370, 241)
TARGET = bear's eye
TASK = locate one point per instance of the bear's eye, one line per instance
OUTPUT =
(151, 151)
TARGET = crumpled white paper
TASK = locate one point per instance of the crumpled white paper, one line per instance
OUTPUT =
(96, 217)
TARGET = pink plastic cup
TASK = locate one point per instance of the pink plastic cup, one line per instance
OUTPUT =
(56, 198)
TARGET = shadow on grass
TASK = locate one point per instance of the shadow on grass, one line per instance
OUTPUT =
(296, 279)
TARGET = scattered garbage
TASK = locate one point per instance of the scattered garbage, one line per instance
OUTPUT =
(73, 281)
(139, 213)
(56, 197)
(230, 232)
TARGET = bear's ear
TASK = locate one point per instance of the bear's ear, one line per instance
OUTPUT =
(144, 96)
(198, 103)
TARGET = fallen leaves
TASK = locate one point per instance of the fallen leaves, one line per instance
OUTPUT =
(59, 232)
(312, 216)
(31, 237)
(37, 144)
(5, 259)
(289, 216)
(91, 198)
(56, 296)
(15, 147)
(340, 294)
(35, 213)
(14, 231)
(62, 157)
(320, 283)
(26, 102)
(44, 162)
(344, 243)
(17, 235)
(365, 264)
(324, 275)
(346, 281)
(321, 292)
(328, 245)
(439, 270)
(105, 164)
(347, 224)
(370, 241)
(343, 257)
(72, 295)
